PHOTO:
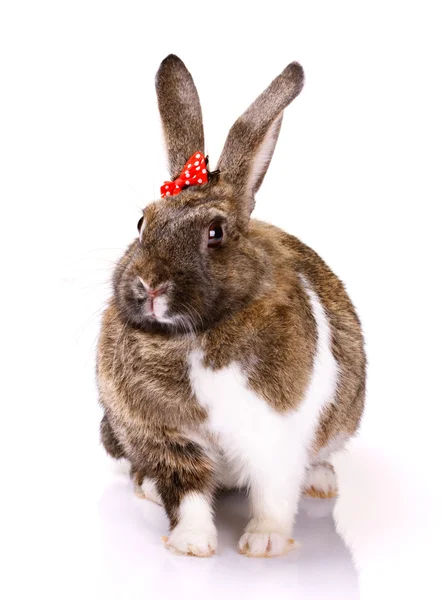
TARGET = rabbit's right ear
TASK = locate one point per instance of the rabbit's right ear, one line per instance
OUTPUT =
(251, 141)
(180, 112)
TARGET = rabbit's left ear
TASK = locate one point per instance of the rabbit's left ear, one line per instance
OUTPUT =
(180, 111)
(251, 141)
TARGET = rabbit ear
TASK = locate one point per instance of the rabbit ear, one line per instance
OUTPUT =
(180, 111)
(251, 141)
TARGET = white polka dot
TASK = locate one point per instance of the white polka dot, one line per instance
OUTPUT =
(189, 166)
(204, 171)
(167, 187)
(198, 155)
(197, 162)
(200, 180)
(187, 174)
(187, 183)
(198, 168)
(167, 193)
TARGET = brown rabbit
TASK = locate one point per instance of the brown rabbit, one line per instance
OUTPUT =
(230, 355)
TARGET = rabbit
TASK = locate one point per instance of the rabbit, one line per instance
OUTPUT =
(230, 356)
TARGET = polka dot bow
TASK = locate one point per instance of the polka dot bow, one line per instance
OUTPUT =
(194, 173)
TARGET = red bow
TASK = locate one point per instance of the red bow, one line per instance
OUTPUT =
(194, 173)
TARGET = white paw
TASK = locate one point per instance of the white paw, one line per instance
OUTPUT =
(266, 538)
(321, 482)
(265, 545)
(193, 542)
(148, 490)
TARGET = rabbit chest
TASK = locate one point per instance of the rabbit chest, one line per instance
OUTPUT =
(251, 433)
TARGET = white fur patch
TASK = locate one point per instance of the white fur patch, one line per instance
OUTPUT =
(334, 445)
(160, 307)
(120, 466)
(266, 451)
(149, 491)
(195, 533)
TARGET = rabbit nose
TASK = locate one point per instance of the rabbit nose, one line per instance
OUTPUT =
(151, 292)
(157, 292)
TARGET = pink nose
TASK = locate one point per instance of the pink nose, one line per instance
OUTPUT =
(157, 292)
(153, 293)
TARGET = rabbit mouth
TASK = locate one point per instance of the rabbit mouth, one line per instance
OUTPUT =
(147, 305)
(152, 304)
(156, 308)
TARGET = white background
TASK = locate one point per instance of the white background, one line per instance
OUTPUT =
(356, 175)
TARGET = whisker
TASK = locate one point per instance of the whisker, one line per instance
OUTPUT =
(194, 312)
(190, 320)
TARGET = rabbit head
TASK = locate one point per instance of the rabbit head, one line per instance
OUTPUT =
(196, 259)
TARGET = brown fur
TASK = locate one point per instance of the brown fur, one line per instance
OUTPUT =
(242, 302)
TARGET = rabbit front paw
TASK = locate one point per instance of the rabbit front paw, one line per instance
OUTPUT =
(265, 545)
(192, 542)
(264, 539)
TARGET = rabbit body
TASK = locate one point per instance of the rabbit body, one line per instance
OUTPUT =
(248, 368)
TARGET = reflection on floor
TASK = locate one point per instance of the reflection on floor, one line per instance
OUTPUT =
(135, 563)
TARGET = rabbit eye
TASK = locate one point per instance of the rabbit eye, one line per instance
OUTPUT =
(216, 235)
(140, 222)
